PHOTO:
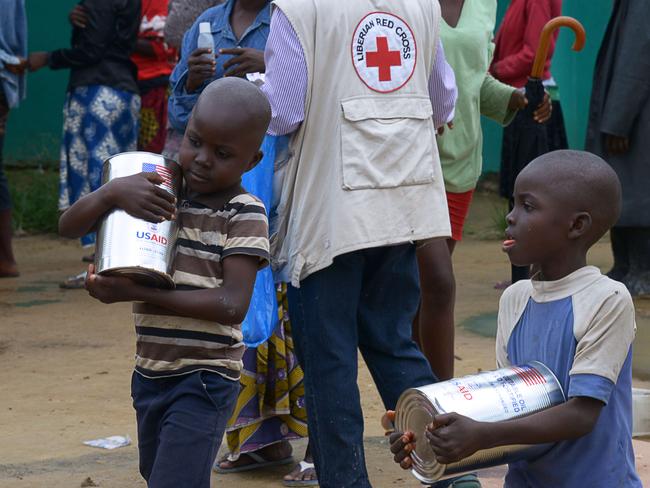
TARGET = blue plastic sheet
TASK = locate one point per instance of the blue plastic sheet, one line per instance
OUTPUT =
(262, 317)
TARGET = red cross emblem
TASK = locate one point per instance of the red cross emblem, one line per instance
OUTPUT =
(383, 59)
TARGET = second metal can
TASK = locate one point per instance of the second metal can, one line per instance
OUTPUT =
(490, 396)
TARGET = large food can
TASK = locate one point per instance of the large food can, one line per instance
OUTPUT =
(490, 396)
(137, 249)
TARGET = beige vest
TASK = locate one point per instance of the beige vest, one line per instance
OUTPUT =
(364, 170)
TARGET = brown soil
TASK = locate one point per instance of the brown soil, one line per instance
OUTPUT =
(67, 361)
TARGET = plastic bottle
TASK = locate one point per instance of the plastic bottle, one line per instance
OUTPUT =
(205, 39)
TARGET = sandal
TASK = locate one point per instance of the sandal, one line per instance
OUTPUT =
(304, 466)
(74, 282)
(258, 463)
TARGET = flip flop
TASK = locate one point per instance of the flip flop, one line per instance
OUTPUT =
(74, 282)
(304, 466)
(259, 463)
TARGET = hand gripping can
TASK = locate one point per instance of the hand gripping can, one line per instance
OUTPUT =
(131, 247)
(490, 396)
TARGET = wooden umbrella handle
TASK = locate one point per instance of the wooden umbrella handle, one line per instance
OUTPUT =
(545, 40)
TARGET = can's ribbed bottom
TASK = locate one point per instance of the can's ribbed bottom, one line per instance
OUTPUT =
(143, 276)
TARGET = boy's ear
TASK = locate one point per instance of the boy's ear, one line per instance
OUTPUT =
(255, 161)
(580, 225)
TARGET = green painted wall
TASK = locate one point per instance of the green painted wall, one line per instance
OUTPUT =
(34, 129)
(572, 71)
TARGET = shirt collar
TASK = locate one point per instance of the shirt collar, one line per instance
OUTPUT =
(547, 291)
(222, 24)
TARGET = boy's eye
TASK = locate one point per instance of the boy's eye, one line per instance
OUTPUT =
(222, 154)
(527, 206)
(194, 142)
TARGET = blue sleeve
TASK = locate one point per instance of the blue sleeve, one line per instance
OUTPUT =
(181, 103)
(590, 385)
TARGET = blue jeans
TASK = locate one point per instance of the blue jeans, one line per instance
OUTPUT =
(181, 422)
(367, 300)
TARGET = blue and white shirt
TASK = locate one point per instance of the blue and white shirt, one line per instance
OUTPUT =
(582, 328)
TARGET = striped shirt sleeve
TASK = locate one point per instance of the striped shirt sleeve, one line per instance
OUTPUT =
(248, 233)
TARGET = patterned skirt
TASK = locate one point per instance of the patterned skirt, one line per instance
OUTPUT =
(271, 404)
(98, 122)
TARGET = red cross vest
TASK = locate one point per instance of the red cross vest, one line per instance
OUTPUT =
(364, 170)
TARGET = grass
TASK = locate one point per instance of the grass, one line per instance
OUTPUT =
(35, 194)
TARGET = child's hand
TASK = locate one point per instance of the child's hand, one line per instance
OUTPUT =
(454, 437)
(139, 196)
(200, 67)
(110, 289)
(402, 444)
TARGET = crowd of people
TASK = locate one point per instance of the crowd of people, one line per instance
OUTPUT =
(372, 110)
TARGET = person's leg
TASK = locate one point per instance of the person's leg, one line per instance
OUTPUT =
(638, 278)
(198, 407)
(389, 299)
(324, 324)
(621, 267)
(8, 267)
(436, 314)
(149, 409)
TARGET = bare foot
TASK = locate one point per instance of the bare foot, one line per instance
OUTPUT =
(302, 472)
(279, 451)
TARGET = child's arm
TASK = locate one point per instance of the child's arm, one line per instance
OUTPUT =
(227, 304)
(138, 195)
(454, 437)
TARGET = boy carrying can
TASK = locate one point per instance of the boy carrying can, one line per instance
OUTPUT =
(189, 341)
(570, 317)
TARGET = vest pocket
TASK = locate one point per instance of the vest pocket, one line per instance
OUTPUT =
(386, 142)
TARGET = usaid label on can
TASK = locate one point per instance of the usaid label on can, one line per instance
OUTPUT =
(126, 246)
(489, 396)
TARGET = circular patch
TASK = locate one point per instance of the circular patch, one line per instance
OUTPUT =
(384, 52)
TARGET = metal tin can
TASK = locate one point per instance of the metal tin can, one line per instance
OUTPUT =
(131, 247)
(490, 396)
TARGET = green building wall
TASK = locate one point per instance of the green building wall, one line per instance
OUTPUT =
(34, 128)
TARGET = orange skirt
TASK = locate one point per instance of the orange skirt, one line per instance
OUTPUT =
(458, 204)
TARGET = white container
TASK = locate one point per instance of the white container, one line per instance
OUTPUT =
(490, 396)
(134, 248)
(640, 412)
(205, 39)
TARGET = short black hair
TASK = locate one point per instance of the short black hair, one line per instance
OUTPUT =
(585, 182)
(245, 104)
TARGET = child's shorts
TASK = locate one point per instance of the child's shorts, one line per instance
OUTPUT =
(181, 422)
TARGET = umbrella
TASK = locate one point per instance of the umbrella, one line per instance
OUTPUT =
(530, 139)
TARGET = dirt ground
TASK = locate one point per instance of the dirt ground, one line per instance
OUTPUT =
(67, 362)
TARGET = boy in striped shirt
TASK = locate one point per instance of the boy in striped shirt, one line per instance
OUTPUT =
(189, 341)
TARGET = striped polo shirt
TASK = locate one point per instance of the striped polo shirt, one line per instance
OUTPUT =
(168, 344)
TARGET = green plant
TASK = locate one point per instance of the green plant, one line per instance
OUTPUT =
(35, 199)
(499, 213)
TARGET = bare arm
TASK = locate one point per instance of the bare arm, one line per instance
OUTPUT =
(138, 195)
(454, 437)
(227, 304)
